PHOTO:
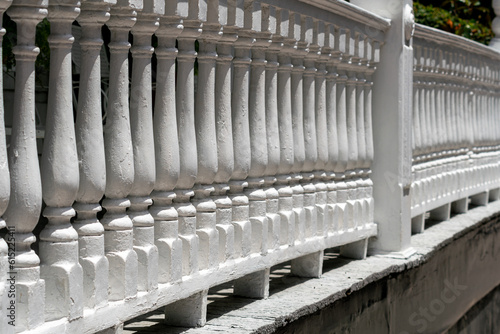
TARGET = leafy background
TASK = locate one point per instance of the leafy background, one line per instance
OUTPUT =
(467, 18)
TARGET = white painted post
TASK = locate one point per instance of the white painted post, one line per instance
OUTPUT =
(273, 141)
(60, 268)
(299, 152)
(118, 235)
(392, 98)
(320, 175)
(192, 14)
(166, 229)
(241, 135)
(341, 47)
(254, 21)
(25, 202)
(223, 127)
(90, 148)
(141, 124)
(331, 121)
(5, 327)
(206, 140)
(285, 202)
(309, 114)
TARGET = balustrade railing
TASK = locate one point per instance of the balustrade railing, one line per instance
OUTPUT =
(238, 138)
(455, 125)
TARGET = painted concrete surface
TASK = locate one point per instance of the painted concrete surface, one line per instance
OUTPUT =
(456, 264)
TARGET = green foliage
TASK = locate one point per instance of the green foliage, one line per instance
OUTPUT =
(467, 18)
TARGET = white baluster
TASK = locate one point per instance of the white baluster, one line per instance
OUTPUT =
(5, 285)
(241, 138)
(341, 165)
(287, 221)
(166, 229)
(321, 130)
(331, 120)
(223, 124)
(257, 124)
(60, 176)
(273, 140)
(118, 235)
(373, 59)
(25, 202)
(187, 135)
(299, 152)
(360, 212)
(206, 140)
(90, 148)
(310, 138)
(141, 123)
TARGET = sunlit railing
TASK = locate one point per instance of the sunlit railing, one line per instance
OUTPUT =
(455, 125)
(241, 140)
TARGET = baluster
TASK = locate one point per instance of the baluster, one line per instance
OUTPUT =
(118, 235)
(141, 123)
(257, 123)
(5, 327)
(362, 61)
(187, 136)
(341, 164)
(321, 130)
(310, 138)
(350, 128)
(285, 202)
(272, 124)
(256, 285)
(241, 139)
(299, 151)
(331, 121)
(90, 148)
(369, 155)
(166, 229)
(60, 176)
(223, 124)
(25, 202)
(206, 140)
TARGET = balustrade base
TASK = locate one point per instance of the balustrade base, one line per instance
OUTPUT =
(189, 312)
(308, 266)
(254, 285)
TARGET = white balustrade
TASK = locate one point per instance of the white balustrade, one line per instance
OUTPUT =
(451, 159)
(243, 140)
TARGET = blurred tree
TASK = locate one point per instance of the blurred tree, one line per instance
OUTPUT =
(467, 18)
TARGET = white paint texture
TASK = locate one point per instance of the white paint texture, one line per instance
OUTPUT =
(247, 141)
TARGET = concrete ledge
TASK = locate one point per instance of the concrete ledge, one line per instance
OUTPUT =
(378, 293)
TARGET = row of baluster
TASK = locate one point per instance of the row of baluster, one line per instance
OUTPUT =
(274, 146)
(453, 111)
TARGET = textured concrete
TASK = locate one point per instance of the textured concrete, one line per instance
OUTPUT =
(427, 293)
